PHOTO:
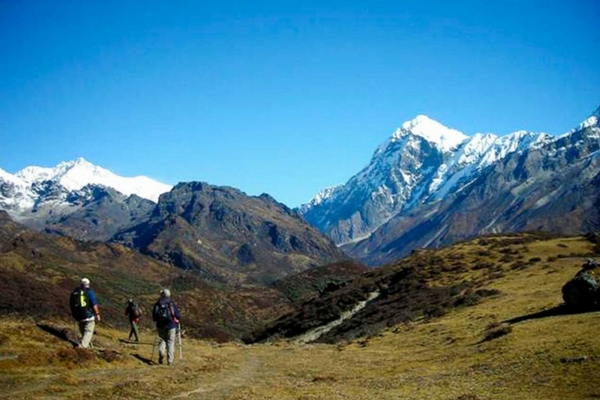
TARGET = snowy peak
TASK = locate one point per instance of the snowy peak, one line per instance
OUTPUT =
(403, 175)
(590, 122)
(74, 175)
(443, 137)
(13, 179)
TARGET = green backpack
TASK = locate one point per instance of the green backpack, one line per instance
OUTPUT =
(79, 305)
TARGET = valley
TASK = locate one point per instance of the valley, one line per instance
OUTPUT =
(543, 353)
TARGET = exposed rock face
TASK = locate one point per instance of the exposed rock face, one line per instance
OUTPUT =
(77, 198)
(553, 188)
(96, 213)
(583, 291)
(417, 193)
(229, 236)
(93, 212)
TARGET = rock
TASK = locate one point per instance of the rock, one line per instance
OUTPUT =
(583, 291)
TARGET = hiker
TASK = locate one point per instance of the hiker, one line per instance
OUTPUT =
(84, 309)
(134, 313)
(166, 315)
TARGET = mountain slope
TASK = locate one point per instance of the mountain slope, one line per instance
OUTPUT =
(73, 175)
(77, 198)
(512, 345)
(228, 236)
(39, 271)
(96, 213)
(427, 284)
(421, 163)
(419, 191)
(552, 188)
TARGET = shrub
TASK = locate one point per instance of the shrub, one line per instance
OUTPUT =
(495, 330)
(517, 265)
(483, 265)
(435, 312)
(470, 297)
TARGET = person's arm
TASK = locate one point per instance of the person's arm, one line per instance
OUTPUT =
(97, 312)
(177, 313)
(94, 302)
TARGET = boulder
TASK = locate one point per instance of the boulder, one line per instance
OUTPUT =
(582, 292)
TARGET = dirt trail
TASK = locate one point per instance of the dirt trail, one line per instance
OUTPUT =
(316, 333)
(225, 383)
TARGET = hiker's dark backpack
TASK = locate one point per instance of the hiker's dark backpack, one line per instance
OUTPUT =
(135, 311)
(162, 314)
(79, 304)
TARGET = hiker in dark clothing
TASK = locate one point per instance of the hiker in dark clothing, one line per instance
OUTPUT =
(166, 315)
(134, 313)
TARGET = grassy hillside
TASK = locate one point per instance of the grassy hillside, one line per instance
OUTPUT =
(513, 345)
(39, 271)
(427, 284)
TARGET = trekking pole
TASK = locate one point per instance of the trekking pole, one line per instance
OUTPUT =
(179, 335)
(154, 343)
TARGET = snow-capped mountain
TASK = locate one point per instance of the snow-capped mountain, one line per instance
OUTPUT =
(73, 175)
(419, 167)
(34, 193)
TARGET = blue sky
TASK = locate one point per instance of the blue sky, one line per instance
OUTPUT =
(280, 97)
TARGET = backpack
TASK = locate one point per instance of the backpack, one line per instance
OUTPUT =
(78, 303)
(162, 314)
(135, 311)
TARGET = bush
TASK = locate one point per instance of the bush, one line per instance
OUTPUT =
(496, 330)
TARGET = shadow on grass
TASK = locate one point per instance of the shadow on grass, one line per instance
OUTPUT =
(551, 312)
(65, 334)
(127, 341)
(144, 359)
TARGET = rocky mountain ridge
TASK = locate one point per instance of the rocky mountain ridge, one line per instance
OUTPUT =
(412, 193)
(229, 236)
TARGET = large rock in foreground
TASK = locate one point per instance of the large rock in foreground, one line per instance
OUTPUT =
(583, 291)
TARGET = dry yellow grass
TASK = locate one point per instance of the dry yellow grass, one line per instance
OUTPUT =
(551, 357)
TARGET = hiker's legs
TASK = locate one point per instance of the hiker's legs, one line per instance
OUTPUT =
(81, 325)
(87, 331)
(134, 331)
(163, 336)
(134, 328)
(171, 345)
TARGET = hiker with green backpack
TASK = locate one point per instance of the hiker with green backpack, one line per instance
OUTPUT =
(84, 309)
(134, 312)
(166, 315)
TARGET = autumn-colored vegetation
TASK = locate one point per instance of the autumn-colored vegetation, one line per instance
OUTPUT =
(509, 340)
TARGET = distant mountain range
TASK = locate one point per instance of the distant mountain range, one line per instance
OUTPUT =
(426, 186)
(218, 232)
